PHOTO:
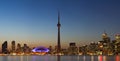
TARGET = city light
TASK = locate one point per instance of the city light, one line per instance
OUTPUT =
(40, 49)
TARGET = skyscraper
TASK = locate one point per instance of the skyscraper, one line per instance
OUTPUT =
(106, 43)
(58, 42)
(117, 37)
(105, 37)
(4, 48)
(13, 46)
(18, 50)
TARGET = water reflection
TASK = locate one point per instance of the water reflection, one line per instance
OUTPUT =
(34, 58)
(84, 58)
(5, 58)
(58, 58)
(92, 58)
(21, 58)
(117, 58)
(104, 58)
(101, 58)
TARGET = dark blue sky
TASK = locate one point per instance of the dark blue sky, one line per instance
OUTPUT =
(35, 21)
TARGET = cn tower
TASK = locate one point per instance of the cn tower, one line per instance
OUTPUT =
(58, 42)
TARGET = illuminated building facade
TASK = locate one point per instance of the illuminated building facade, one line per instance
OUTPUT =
(105, 38)
(92, 48)
(117, 37)
(117, 43)
(72, 50)
(106, 43)
(40, 50)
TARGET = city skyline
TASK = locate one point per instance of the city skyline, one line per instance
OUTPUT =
(34, 22)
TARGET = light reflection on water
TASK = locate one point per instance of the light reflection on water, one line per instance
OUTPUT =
(92, 58)
(104, 58)
(60, 58)
(117, 58)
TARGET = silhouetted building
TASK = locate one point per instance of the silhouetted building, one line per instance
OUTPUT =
(84, 49)
(80, 49)
(72, 44)
(50, 50)
(72, 50)
(58, 42)
(92, 48)
(4, 48)
(18, 50)
(13, 46)
(25, 48)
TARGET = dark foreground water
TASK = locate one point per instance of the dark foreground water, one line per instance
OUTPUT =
(59, 58)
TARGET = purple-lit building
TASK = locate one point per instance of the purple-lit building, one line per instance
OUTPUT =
(40, 50)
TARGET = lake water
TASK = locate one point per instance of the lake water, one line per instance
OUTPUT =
(59, 58)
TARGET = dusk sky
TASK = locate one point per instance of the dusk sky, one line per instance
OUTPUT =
(34, 22)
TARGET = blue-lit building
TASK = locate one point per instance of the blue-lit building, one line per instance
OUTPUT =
(40, 50)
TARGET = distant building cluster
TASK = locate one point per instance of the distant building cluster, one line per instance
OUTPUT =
(15, 50)
(104, 47)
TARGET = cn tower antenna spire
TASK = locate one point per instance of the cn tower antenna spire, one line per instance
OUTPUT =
(58, 41)
(58, 17)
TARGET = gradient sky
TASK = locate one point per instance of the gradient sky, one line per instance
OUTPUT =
(35, 21)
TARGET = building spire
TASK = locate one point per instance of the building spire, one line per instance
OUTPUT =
(58, 17)
(58, 41)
